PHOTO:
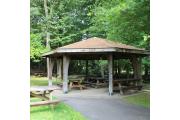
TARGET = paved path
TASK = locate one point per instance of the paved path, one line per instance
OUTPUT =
(107, 109)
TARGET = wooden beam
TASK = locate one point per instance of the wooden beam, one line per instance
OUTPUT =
(50, 70)
(110, 68)
(66, 61)
(40, 103)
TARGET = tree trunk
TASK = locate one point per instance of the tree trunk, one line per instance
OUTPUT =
(119, 69)
(127, 72)
(86, 69)
(47, 17)
(102, 71)
(47, 33)
(146, 74)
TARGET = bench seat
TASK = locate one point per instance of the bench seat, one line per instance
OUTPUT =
(48, 102)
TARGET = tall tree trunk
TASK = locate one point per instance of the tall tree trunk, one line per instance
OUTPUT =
(86, 69)
(47, 26)
(146, 73)
(127, 71)
(102, 71)
(119, 69)
(47, 33)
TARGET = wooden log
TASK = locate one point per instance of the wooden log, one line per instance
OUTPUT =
(41, 103)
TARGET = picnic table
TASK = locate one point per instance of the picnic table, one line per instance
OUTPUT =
(44, 93)
(126, 84)
(76, 83)
(126, 81)
(96, 81)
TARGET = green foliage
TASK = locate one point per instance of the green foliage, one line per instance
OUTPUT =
(126, 21)
(72, 20)
(36, 47)
(67, 21)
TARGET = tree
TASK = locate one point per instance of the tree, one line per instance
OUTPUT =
(36, 47)
(61, 22)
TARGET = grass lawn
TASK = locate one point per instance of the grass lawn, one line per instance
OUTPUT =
(142, 99)
(60, 111)
(41, 81)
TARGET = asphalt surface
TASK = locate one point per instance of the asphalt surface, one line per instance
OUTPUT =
(107, 109)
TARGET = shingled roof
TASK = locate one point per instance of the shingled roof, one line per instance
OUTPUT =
(99, 43)
(96, 45)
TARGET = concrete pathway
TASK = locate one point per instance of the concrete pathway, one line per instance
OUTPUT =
(104, 107)
(107, 109)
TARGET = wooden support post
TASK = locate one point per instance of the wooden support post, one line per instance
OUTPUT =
(66, 61)
(50, 71)
(110, 68)
(59, 69)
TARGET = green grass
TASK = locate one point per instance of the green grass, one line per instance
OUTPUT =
(41, 81)
(142, 99)
(58, 112)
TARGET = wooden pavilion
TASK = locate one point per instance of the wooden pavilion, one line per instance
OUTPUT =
(94, 49)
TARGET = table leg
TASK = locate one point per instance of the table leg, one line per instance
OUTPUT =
(41, 96)
(70, 85)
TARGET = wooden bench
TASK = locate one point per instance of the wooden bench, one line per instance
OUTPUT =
(122, 89)
(96, 82)
(49, 102)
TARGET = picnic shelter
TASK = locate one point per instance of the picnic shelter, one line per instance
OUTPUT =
(94, 49)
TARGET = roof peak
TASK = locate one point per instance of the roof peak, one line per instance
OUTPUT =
(96, 42)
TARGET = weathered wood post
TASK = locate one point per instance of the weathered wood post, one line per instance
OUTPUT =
(50, 71)
(110, 68)
(59, 69)
(66, 61)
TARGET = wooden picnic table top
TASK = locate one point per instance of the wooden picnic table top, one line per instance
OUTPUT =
(96, 78)
(43, 88)
(122, 80)
(74, 80)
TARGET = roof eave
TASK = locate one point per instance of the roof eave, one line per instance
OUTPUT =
(94, 50)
